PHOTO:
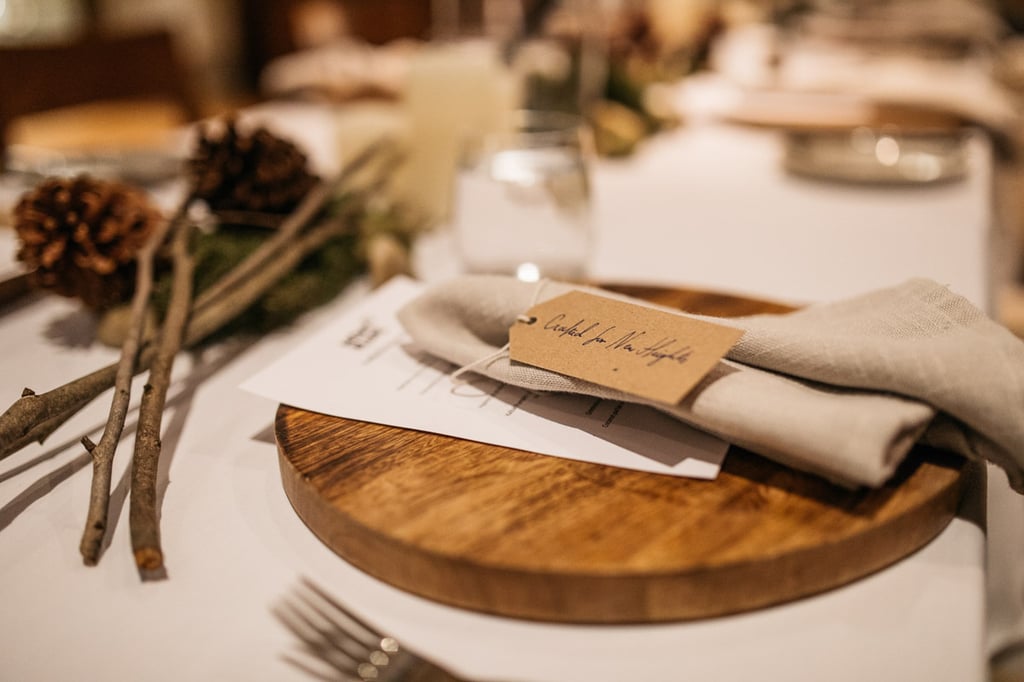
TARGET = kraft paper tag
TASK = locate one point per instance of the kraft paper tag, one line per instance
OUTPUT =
(632, 348)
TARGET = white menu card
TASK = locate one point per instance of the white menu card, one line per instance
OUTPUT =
(364, 366)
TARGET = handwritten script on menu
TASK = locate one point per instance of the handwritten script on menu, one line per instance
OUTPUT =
(643, 351)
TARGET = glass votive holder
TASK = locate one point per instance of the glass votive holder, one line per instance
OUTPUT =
(886, 155)
(522, 199)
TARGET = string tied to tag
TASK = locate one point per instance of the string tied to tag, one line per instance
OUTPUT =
(486, 361)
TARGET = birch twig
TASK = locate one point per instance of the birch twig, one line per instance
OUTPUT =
(103, 452)
(34, 416)
(143, 514)
(211, 317)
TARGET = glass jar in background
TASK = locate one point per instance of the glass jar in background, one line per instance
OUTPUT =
(481, 66)
(522, 199)
(559, 52)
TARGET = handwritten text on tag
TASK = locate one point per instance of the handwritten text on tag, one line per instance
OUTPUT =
(625, 346)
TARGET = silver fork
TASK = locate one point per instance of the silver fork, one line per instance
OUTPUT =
(345, 645)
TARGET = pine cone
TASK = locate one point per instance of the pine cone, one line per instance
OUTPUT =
(80, 237)
(249, 172)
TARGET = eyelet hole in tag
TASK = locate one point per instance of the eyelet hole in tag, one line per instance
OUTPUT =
(649, 353)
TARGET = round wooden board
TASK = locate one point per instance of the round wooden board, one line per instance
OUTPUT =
(526, 535)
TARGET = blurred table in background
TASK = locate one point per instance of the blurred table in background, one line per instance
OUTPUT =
(728, 216)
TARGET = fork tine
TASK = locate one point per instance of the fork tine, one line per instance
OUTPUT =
(320, 635)
(332, 631)
(317, 641)
(313, 672)
(335, 637)
(351, 648)
(385, 643)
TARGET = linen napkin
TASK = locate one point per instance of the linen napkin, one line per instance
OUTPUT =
(842, 390)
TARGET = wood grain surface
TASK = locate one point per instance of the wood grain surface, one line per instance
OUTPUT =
(526, 535)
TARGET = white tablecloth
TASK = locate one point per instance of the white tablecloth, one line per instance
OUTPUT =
(711, 205)
(704, 206)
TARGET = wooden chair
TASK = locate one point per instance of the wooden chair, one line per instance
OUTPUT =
(93, 68)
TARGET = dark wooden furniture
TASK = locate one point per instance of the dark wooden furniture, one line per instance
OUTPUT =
(269, 26)
(92, 68)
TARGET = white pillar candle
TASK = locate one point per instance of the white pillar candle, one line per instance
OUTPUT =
(454, 91)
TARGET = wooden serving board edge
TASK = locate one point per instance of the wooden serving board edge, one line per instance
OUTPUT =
(648, 598)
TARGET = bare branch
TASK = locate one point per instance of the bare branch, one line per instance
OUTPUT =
(35, 416)
(103, 453)
(143, 514)
(211, 317)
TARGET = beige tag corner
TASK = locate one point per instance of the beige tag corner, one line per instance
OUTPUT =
(632, 348)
